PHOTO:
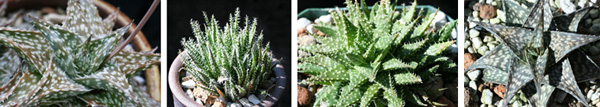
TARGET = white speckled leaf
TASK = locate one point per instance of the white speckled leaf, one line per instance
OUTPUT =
(563, 42)
(99, 49)
(105, 98)
(584, 68)
(31, 46)
(83, 19)
(7, 89)
(109, 78)
(516, 38)
(131, 62)
(27, 86)
(519, 75)
(497, 58)
(539, 14)
(59, 85)
(515, 14)
(561, 76)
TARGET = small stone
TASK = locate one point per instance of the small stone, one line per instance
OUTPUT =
(301, 32)
(486, 96)
(476, 6)
(473, 74)
(467, 44)
(311, 29)
(593, 13)
(199, 101)
(324, 19)
(488, 38)
(252, 98)
(188, 84)
(320, 33)
(476, 43)
(473, 85)
(491, 46)
(245, 102)
(567, 6)
(453, 49)
(487, 11)
(471, 50)
(596, 21)
(475, 14)
(499, 90)
(139, 79)
(304, 97)
(219, 104)
(472, 25)
(488, 1)
(482, 50)
(307, 40)
(595, 28)
(189, 93)
(473, 33)
(302, 23)
(517, 104)
(495, 20)
(501, 15)
(235, 105)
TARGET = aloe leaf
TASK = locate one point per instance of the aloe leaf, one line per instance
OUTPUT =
(495, 59)
(59, 85)
(516, 38)
(99, 49)
(109, 78)
(7, 89)
(519, 75)
(579, 14)
(541, 65)
(394, 64)
(405, 78)
(131, 62)
(414, 98)
(408, 15)
(31, 46)
(540, 16)
(438, 48)
(105, 98)
(83, 19)
(350, 95)
(26, 87)
(539, 97)
(420, 30)
(330, 77)
(109, 21)
(311, 69)
(394, 99)
(563, 43)
(446, 31)
(368, 96)
(324, 61)
(561, 76)
(515, 13)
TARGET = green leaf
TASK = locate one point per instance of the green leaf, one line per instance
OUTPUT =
(131, 62)
(394, 99)
(83, 19)
(515, 13)
(540, 16)
(561, 76)
(405, 78)
(516, 38)
(446, 31)
(109, 78)
(394, 64)
(438, 48)
(26, 87)
(311, 69)
(495, 59)
(368, 96)
(31, 46)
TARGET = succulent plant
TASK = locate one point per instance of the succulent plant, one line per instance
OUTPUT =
(539, 57)
(377, 57)
(71, 65)
(229, 61)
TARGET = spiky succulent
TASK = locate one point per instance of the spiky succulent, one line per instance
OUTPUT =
(537, 59)
(228, 61)
(377, 57)
(69, 65)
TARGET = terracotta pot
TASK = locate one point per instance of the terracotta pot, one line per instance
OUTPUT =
(181, 99)
(139, 43)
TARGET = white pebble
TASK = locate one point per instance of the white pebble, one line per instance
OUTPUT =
(253, 99)
(245, 102)
(188, 84)
(139, 79)
(235, 105)
(324, 19)
(302, 23)
(311, 29)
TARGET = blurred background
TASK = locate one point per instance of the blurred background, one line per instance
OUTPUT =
(273, 19)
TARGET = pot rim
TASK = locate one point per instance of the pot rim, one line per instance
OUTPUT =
(179, 94)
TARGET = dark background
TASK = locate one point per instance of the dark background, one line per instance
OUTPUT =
(135, 9)
(274, 19)
(450, 7)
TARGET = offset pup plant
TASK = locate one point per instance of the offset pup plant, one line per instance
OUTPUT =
(229, 62)
(536, 59)
(377, 57)
(77, 63)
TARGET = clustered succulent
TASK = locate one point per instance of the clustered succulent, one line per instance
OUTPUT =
(71, 64)
(538, 55)
(377, 57)
(229, 62)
